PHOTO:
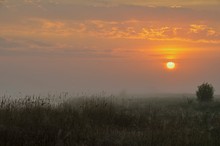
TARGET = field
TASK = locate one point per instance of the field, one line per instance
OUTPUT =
(108, 121)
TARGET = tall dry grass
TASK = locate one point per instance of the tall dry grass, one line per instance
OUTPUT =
(39, 121)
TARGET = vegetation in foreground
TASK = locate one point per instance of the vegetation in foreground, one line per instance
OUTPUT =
(109, 121)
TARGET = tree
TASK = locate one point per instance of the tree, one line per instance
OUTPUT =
(205, 92)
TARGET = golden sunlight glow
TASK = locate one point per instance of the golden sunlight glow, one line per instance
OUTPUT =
(171, 65)
(170, 53)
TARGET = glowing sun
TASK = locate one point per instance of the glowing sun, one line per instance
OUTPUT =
(171, 65)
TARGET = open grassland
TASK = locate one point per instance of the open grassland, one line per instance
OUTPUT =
(108, 121)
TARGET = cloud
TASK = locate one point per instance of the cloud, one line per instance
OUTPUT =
(197, 28)
(139, 2)
(71, 19)
(24, 47)
(78, 29)
(209, 31)
(29, 47)
(203, 32)
(151, 31)
(130, 29)
(112, 13)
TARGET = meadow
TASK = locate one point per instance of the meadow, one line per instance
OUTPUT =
(108, 121)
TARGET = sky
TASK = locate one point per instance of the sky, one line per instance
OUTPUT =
(109, 45)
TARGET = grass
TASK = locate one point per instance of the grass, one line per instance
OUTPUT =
(36, 121)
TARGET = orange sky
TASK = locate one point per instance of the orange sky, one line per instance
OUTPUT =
(94, 45)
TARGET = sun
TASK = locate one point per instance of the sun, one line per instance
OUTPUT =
(170, 65)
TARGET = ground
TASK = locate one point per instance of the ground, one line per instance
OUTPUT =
(109, 121)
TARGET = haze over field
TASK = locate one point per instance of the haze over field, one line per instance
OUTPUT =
(111, 45)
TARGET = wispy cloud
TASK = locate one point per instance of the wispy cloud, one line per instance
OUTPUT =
(131, 29)
(29, 47)
(76, 29)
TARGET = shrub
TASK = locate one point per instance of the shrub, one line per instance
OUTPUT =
(205, 92)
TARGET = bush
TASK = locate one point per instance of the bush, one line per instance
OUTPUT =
(205, 92)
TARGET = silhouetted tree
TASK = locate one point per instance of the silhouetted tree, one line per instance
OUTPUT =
(205, 92)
